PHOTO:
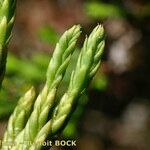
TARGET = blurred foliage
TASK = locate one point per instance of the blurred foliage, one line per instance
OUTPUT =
(103, 10)
(100, 82)
(6, 108)
(33, 69)
(116, 9)
(48, 35)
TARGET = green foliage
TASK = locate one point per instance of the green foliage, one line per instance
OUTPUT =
(71, 129)
(33, 68)
(7, 14)
(103, 10)
(6, 108)
(48, 35)
(38, 126)
(100, 82)
(56, 69)
(17, 80)
(28, 123)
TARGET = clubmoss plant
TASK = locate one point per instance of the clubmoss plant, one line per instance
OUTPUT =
(37, 118)
(7, 15)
